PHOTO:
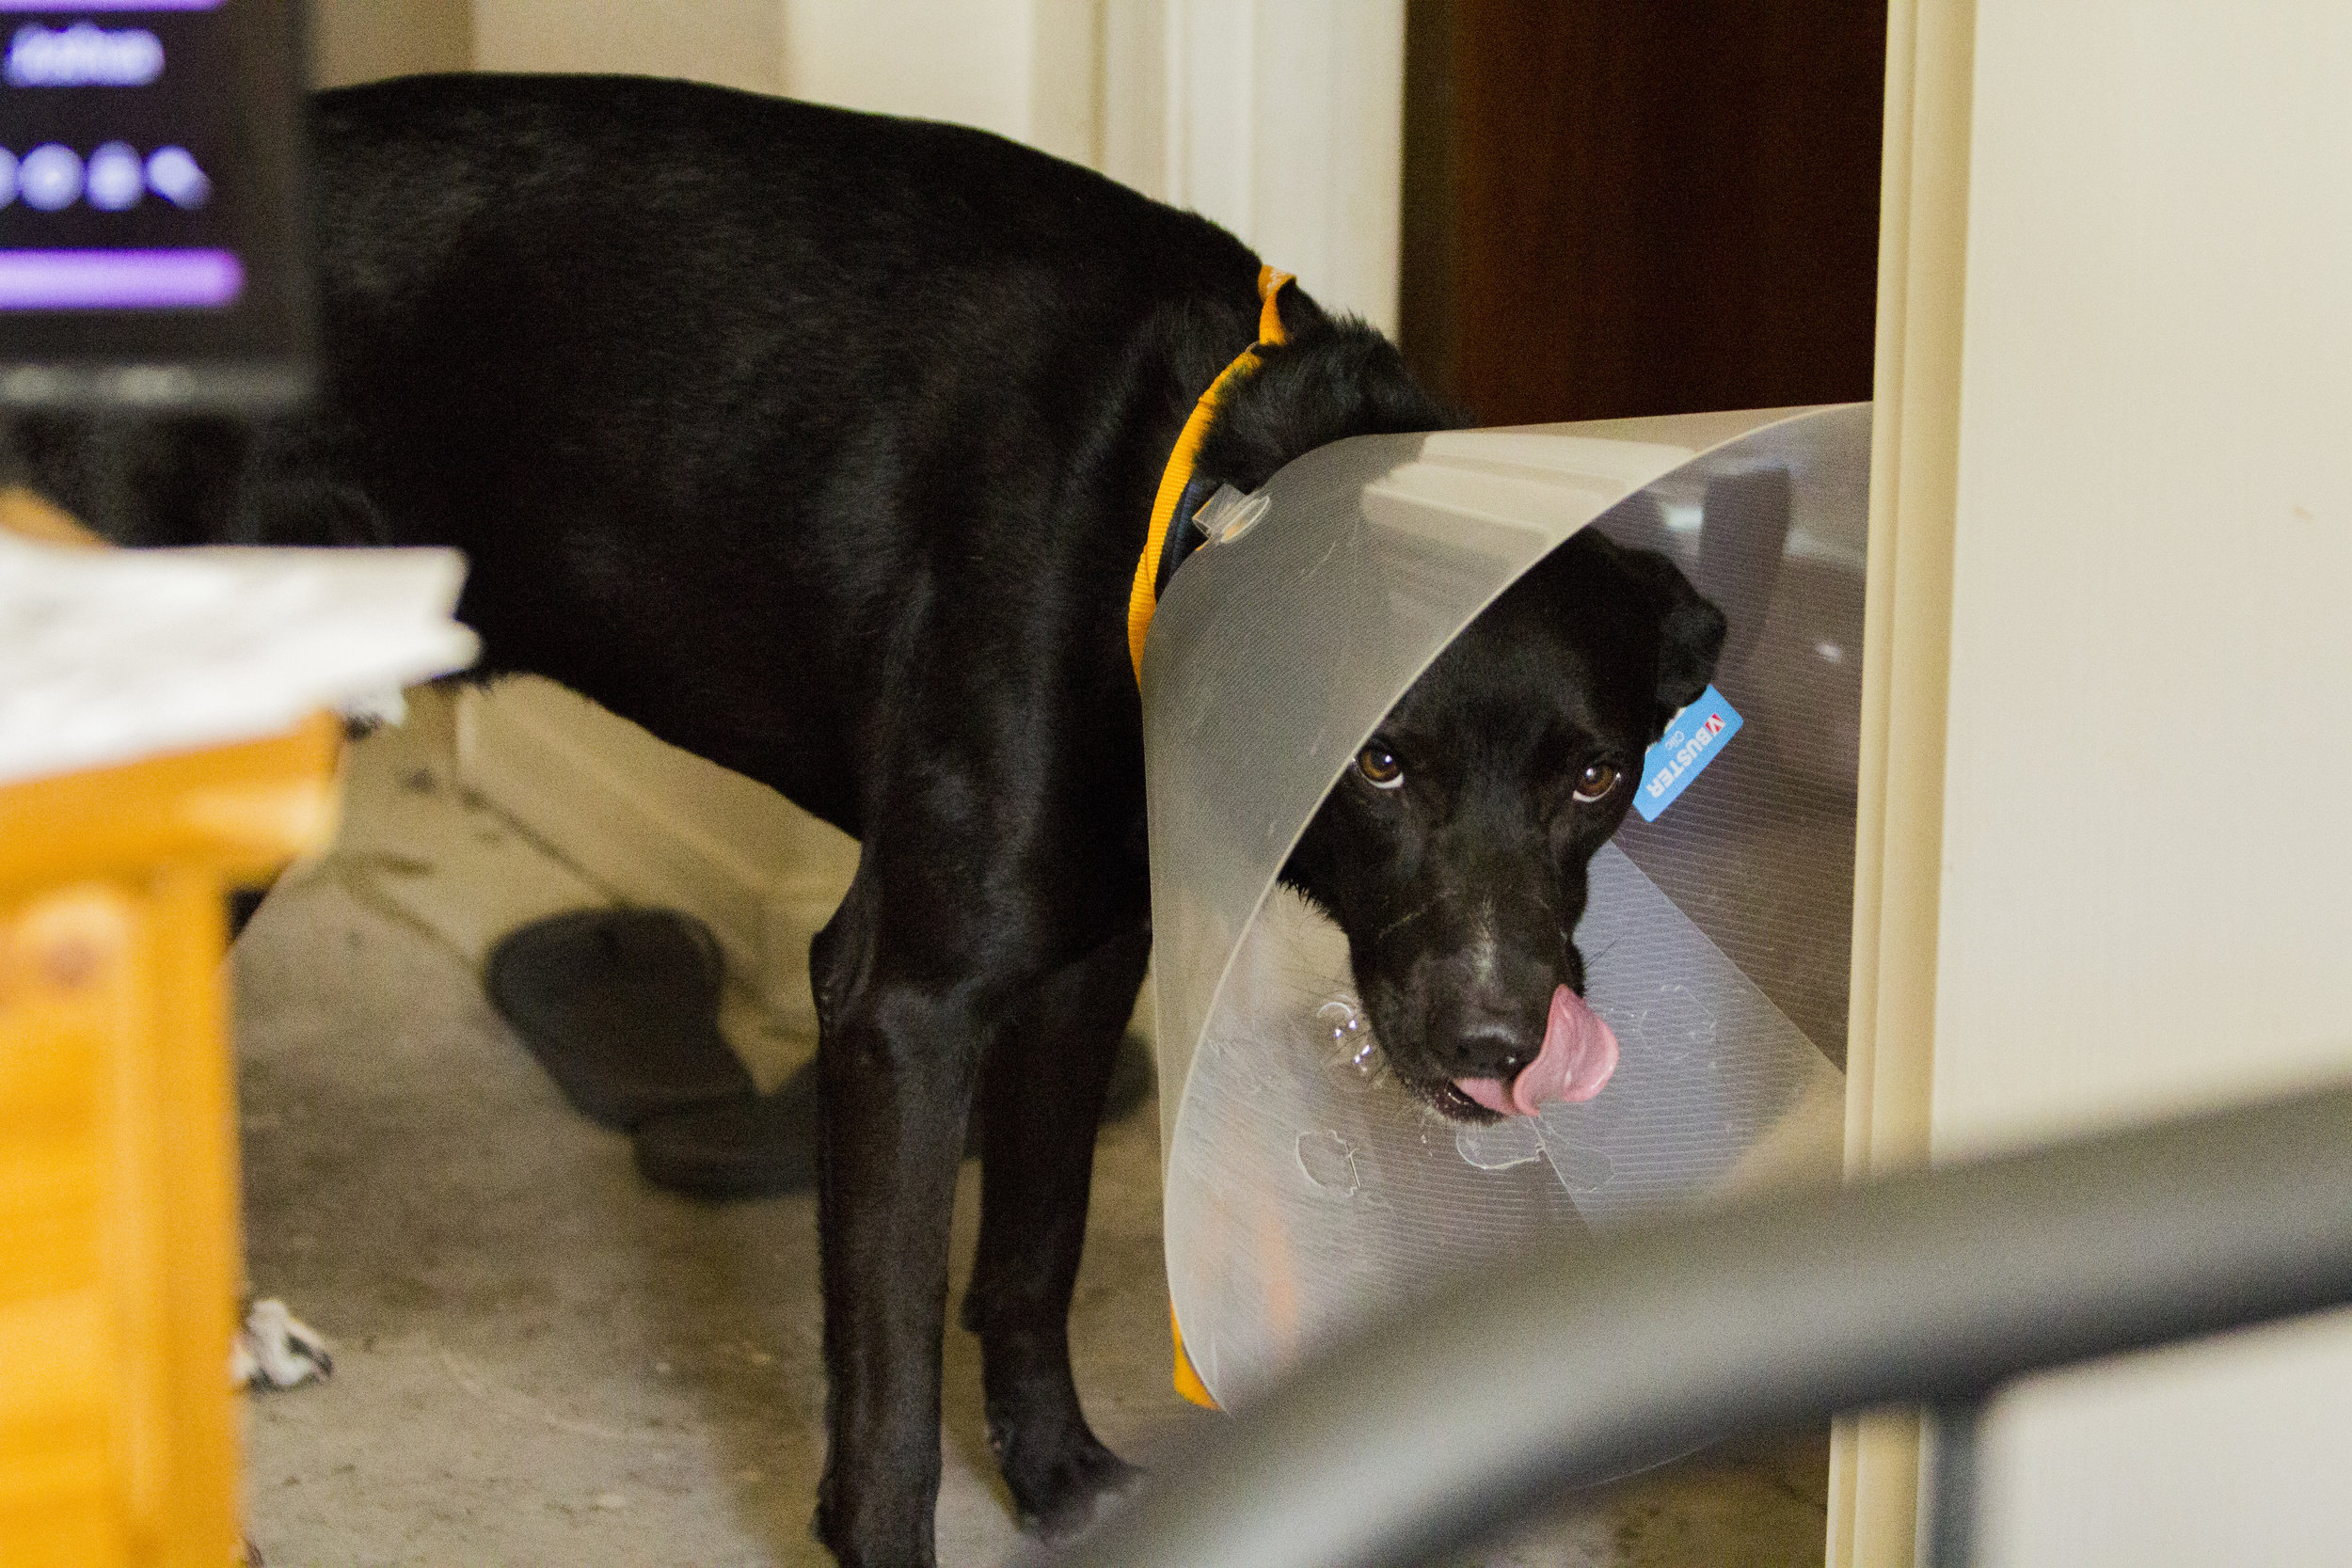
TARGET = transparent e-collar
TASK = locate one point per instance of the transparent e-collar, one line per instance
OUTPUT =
(1304, 1192)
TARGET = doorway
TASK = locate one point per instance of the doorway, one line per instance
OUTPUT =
(1615, 209)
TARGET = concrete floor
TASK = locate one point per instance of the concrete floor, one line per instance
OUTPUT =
(542, 1360)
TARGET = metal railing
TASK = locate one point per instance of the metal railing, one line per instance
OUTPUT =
(1450, 1422)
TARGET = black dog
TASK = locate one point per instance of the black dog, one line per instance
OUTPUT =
(823, 445)
(1454, 852)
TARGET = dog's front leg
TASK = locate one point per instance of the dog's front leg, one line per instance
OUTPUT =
(1044, 1091)
(898, 1057)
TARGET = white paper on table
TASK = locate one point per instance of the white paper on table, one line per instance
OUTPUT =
(109, 655)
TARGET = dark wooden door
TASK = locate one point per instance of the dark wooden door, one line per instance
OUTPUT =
(1619, 207)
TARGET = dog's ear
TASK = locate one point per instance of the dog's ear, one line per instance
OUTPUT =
(1336, 377)
(1690, 631)
(1689, 640)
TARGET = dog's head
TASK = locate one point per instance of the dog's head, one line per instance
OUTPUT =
(1453, 850)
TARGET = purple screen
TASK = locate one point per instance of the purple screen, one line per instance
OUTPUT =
(115, 127)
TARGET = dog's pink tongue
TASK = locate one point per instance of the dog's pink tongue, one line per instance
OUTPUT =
(1578, 1054)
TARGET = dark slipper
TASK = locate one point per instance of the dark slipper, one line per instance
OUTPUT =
(765, 1146)
(751, 1146)
(621, 1007)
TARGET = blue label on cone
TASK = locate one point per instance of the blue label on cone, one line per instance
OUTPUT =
(1693, 739)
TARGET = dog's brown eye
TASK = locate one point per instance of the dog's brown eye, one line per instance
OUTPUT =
(1596, 783)
(1379, 767)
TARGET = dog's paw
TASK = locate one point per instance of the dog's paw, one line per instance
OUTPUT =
(1061, 1498)
(276, 1350)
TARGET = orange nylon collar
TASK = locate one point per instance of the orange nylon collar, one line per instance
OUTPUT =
(1143, 598)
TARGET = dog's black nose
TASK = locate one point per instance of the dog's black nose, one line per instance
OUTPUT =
(1485, 1045)
(1486, 1006)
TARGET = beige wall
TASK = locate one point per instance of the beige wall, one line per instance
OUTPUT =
(1023, 68)
(736, 44)
(1281, 120)
(2148, 892)
(361, 41)
(2147, 901)
(2118, 397)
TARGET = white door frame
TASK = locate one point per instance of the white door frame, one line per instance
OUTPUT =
(1281, 120)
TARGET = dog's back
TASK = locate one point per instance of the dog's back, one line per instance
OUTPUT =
(675, 364)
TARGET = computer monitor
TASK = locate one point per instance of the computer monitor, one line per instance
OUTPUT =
(152, 247)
